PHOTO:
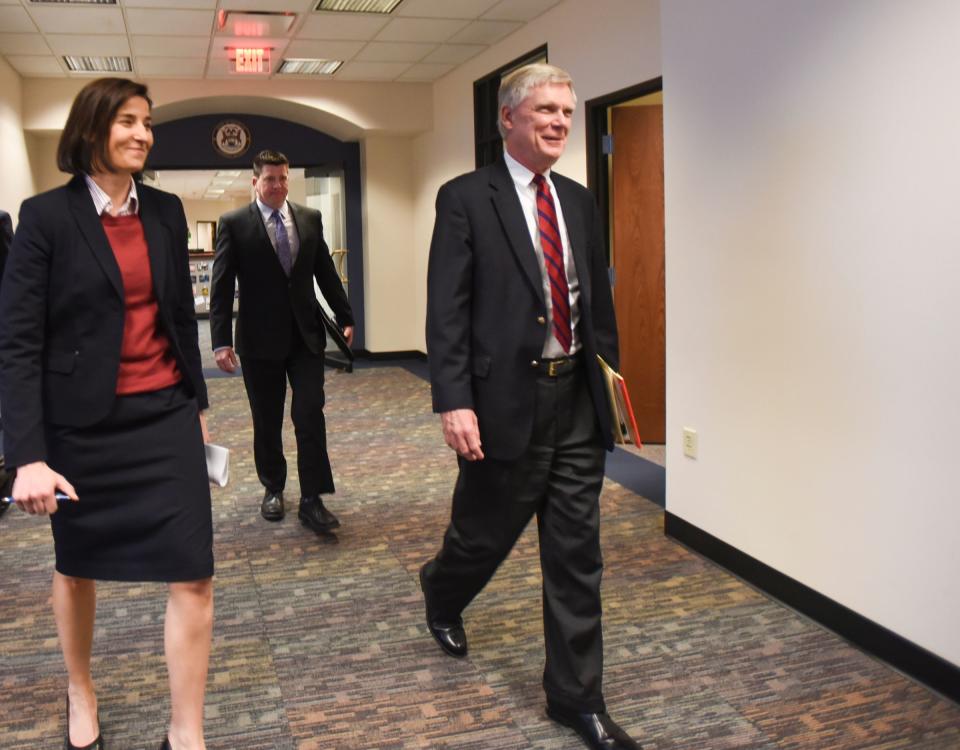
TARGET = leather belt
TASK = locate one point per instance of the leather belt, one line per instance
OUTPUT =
(553, 368)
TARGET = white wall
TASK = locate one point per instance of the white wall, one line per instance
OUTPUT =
(813, 295)
(389, 260)
(17, 182)
(606, 45)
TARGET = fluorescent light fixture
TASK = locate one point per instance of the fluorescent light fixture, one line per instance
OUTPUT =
(358, 6)
(305, 67)
(76, 2)
(98, 64)
(215, 191)
(229, 173)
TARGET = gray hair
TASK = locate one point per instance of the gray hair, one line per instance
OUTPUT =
(517, 85)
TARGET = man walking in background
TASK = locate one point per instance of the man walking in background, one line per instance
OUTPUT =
(273, 250)
(518, 308)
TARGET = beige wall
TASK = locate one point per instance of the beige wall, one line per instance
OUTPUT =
(813, 295)
(389, 267)
(42, 152)
(347, 111)
(605, 45)
(17, 182)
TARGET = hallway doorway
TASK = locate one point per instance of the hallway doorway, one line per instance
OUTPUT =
(625, 171)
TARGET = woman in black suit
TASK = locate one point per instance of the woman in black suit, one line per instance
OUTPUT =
(103, 396)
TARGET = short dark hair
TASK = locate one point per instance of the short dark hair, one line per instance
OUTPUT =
(268, 156)
(85, 137)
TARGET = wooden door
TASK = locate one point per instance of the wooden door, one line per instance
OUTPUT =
(638, 259)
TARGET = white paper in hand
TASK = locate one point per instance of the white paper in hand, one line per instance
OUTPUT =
(218, 464)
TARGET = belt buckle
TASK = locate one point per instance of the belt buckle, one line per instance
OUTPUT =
(553, 368)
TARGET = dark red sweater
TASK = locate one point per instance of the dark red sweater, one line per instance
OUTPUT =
(146, 361)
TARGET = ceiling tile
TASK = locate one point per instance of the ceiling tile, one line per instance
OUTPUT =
(323, 50)
(78, 20)
(425, 72)
(444, 8)
(185, 22)
(420, 30)
(277, 6)
(14, 18)
(23, 44)
(395, 51)
(485, 32)
(30, 65)
(89, 44)
(164, 46)
(180, 4)
(341, 26)
(9, 2)
(454, 53)
(170, 66)
(519, 10)
(370, 71)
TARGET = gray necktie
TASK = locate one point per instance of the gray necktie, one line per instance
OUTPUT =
(283, 243)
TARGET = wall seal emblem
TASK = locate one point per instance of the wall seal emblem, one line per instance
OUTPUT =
(231, 138)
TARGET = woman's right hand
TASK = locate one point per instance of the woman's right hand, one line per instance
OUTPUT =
(35, 487)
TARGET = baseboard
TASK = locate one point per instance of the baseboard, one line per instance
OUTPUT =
(376, 356)
(911, 659)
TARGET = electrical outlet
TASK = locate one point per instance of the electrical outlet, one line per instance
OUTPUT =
(689, 442)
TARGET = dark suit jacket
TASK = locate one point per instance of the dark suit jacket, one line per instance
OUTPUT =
(485, 305)
(269, 301)
(62, 307)
(6, 238)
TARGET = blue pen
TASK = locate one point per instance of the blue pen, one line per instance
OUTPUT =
(59, 495)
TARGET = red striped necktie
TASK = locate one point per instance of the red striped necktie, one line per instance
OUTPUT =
(553, 260)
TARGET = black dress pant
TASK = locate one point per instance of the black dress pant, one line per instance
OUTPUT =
(558, 478)
(266, 384)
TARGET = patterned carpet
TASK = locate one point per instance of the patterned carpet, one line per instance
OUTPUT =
(320, 643)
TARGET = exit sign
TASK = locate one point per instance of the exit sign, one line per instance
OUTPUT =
(252, 60)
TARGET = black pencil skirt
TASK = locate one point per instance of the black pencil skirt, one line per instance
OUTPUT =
(144, 512)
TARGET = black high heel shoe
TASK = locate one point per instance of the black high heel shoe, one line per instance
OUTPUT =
(97, 744)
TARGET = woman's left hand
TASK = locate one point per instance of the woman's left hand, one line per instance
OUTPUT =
(203, 427)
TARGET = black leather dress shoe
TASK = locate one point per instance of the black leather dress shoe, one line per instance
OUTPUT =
(97, 744)
(313, 515)
(272, 506)
(598, 731)
(448, 633)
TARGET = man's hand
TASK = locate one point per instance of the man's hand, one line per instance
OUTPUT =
(34, 488)
(348, 334)
(226, 359)
(462, 433)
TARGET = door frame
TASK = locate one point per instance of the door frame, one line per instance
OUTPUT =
(598, 169)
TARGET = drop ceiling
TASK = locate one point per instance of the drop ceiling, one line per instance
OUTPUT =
(420, 40)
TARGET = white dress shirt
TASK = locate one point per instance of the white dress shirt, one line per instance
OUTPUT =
(103, 204)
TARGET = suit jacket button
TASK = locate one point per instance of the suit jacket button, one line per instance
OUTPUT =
(534, 363)
(542, 320)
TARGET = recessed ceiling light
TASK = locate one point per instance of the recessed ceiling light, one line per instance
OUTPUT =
(229, 173)
(306, 67)
(77, 2)
(98, 64)
(358, 6)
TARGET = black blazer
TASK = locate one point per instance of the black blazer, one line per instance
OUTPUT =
(6, 237)
(486, 311)
(62, 307)
(269, 301)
